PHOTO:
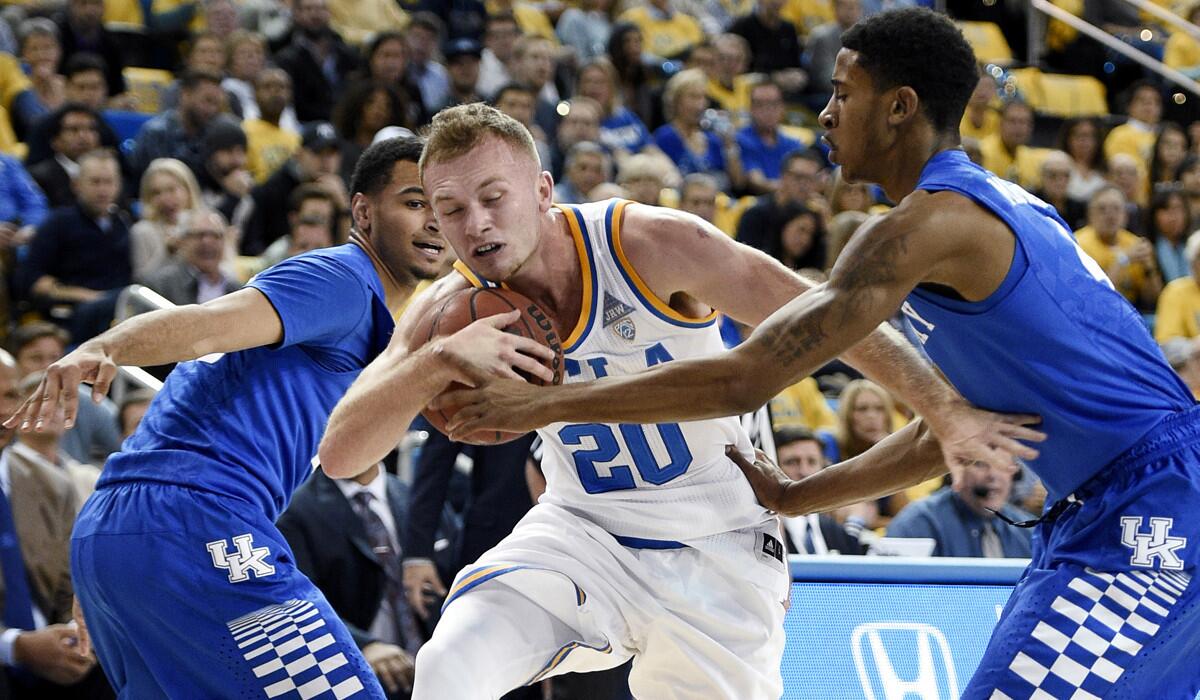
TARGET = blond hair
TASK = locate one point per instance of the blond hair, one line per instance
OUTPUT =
(852, 445)
(457, 130)
(176, 169)
(684, 79)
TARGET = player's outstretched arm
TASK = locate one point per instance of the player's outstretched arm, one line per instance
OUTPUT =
(243, 319)
(371, 418)
(905, 458)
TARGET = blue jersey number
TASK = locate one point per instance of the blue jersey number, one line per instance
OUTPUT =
(608, 448)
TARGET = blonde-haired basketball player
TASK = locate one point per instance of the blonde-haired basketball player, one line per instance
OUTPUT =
(648, 542)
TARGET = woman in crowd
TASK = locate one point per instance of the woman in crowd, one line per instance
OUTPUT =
(1080, 138)
(364, 109)
(386, 61)
(1168, 224)
(1170, 148)
(800, 236)
(693, 144)
(167, 189)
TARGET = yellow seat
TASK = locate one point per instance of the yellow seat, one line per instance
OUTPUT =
(987, 41)
(1029, 87)
(1073, 96)
(146, 86)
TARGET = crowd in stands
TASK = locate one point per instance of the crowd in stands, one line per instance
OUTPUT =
(186, 145)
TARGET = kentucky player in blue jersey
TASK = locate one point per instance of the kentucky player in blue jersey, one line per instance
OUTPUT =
(188, 589)
(1020, 320)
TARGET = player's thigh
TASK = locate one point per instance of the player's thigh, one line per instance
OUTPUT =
(1077, 632)
(720, 636)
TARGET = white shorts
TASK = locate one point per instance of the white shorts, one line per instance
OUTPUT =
(702, 621)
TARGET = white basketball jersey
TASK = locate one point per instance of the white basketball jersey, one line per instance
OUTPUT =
(670, 481)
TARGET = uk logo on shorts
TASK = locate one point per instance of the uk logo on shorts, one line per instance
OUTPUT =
(1155, 549)
(244, 559)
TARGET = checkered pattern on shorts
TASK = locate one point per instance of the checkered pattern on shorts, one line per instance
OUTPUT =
(1091, 633)
(293, 653)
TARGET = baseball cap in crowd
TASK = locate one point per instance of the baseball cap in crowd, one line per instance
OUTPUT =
(318, 136)
(462, 46)
(222, 134)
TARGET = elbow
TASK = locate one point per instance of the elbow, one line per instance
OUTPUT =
(333, 459)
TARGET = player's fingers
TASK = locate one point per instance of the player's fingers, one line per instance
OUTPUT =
(416, 601)
(1016, 449)
(18, 416)
(453, 399)
(1021, 418)
(533, 367)
(736, 456)
(50, 399)
(1018, 432)
(532, 348)
(500, 321)
(105, 373)
(384, 671)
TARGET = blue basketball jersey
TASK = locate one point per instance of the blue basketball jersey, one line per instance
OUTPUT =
(1054, 340)
(247, 425)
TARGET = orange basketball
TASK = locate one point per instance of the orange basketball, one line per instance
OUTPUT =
(466, 306)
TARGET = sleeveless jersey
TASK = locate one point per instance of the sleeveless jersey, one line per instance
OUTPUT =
(670, 481)
(1055, 339)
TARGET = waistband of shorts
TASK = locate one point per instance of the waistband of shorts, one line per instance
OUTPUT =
(643, 543)
(1171, 433)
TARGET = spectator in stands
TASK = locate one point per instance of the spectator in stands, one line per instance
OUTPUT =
(179, 133)
(841, 227)
(45, 445)
(622, 132)
(1136, 136)
(1178, 311)
(587, 166)
(80, 255)
(311, 212)
(81, 29)
(424, 37)
(364, 109)
(667, 33)
(42, 54)
(85, 81)
(1080, 139)
(691, 142)
(499, 38)
(270, 141)
(1168, 225)
(194, 276)
(800, 182)
(1128, 175)
(865, 417)
(849, 196)
(800, 238)
(94, 436)
(728, 83)
(387, 63)
(585, 29)
(1055, 179)
(775, 47)
(167, 190)
(318, 161)
(357, 21)
(1183, 354)
(519, 102)
(981, 118)
(462, 66)
(133, 408)
(38, 656)
(698, 195)
(643, 178)
(84, 86)
(225, 182)
(309, 233)
(23, 207)
(762, 145)
(800, 454)
(580, 123)
(533, 66)
(636, 82)
(246, 58)
(1007, 153)
(346, 536)
(1189, 180)
(1170, 148)
(1126, 258)
(73, 130)
(530, 17)
(206, 54)
(962, 518)
(317, 59)
(822, 46)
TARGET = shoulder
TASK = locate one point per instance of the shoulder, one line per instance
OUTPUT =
(48, 484)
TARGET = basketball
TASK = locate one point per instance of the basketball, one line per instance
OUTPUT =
(464, 307)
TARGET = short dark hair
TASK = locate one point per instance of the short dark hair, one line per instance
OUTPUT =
(191, 78)
(305, 192)
(29, 333)
(796, 433)
(1132, 91)
(801, 154)
(84, 62)
(511, 87)
(922, 49)
(348, 112)
(373, 171)
(58, 116)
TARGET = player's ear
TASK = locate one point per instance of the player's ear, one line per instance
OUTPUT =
(360, 210)
(905, 104)
(545, 191)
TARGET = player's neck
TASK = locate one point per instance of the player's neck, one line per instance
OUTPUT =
(902, 171)
(553, 276)
(396, 291)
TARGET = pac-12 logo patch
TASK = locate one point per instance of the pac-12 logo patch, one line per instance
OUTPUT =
(1157, 544)
(243, 560)
(617, 317)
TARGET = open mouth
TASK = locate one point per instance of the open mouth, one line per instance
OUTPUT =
(487, 249)
(431, 249)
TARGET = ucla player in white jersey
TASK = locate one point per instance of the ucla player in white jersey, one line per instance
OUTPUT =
(648, 541)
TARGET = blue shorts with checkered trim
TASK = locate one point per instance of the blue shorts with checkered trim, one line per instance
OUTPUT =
(1109, 607)
(191, 595)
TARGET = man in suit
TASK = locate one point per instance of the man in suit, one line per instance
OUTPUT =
(345, 538)
(73, 130)
(38, 653)
(195, 275)
(801, 454)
